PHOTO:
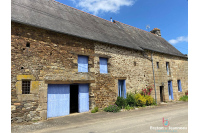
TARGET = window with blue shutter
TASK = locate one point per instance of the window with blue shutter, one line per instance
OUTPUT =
(179, 85)
(82, 63)
(103, 65)
(122, 88)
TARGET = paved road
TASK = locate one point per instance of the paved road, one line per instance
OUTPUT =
(148, 120)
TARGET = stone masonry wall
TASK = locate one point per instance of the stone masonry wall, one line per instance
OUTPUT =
(178, 71)
(123, 63)
(137, 70)
(52, 59)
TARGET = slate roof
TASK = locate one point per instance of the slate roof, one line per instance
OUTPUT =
(52, 15)
(149, 41)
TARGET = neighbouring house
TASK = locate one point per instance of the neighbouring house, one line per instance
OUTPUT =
(64, 60)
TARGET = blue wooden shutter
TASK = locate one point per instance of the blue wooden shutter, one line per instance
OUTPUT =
(103, 65)
(83, 98)
(82, 63)
(171, 89)
(58, 98)
(124, 82)
(179, 86)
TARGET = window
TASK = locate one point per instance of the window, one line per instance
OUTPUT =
(179, 85)
(82, 63)
(157, 64)
(26, 86)
(167, 67)
(103, 65)
(122, 88)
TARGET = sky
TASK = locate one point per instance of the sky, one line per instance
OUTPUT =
(170, 16)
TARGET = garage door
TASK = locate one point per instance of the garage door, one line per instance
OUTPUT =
(58, 100)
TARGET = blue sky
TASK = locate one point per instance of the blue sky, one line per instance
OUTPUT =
(170, 16)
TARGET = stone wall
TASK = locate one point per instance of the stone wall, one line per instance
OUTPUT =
(123, 63)
(137, 70)
(178, 71)
(52, 59)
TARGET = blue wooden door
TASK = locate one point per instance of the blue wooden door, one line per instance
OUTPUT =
(170, 90)
(83, 98)
(58, 100)
(122, 88)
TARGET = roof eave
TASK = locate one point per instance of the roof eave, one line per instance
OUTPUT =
(165, 53)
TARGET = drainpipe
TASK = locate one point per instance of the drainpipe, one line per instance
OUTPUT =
(153, 76)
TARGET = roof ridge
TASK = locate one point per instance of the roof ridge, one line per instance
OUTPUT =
(82, 11)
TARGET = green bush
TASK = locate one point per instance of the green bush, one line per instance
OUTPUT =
(140, 100)
(149, 100)
(128, 107)
(112, 108)
(130, 99)
(184, 98)
(121, 102)
(94, 110)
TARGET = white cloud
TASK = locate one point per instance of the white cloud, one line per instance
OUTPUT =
(100, 6)
(179, 39)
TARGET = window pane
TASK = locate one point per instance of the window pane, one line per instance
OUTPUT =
(25, 87)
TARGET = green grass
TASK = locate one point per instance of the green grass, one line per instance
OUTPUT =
(184, 98)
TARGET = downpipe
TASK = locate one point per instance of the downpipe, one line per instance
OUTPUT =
(153, 76)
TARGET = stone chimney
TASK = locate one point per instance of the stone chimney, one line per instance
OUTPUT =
(156, 31)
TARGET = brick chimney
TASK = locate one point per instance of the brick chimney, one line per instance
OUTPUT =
(156, 31)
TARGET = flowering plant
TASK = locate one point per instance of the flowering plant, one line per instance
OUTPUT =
(186, 93)
(147, 91)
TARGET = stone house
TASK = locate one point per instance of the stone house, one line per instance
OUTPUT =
(64, 60)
